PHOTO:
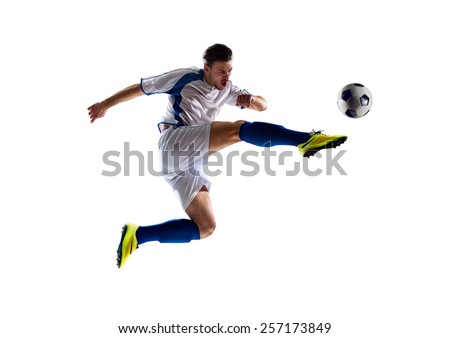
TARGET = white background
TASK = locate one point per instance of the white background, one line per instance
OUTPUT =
(367, 252)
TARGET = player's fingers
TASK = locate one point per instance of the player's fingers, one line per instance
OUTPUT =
(243, 100)
(93, 106)
(247, 100)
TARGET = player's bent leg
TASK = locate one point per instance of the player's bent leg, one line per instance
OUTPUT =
(173, 231)
(224, 134)
(200, 211)
(128, 243)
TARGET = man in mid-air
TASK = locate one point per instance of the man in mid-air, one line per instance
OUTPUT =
(189, 133)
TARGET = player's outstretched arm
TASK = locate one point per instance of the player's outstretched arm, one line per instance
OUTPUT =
(99, 109)
(253, 102)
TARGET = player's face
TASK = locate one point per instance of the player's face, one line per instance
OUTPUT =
(218, 74)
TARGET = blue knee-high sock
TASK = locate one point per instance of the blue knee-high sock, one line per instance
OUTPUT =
(266, 134)
(174, 231)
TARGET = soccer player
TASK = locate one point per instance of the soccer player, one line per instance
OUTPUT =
(189, 133)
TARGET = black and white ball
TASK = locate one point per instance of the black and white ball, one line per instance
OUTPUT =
(354, 100)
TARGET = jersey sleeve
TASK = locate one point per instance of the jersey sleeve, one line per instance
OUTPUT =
(233, 95)
(162, 83)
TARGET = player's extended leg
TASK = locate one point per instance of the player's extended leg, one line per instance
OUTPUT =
(265, 134)
(224, 134)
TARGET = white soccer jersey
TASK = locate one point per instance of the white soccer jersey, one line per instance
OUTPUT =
(192, 101)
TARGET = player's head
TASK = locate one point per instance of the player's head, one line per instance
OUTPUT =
(217, 65)
(217, 52)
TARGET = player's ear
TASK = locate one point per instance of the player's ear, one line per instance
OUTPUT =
(206, 68)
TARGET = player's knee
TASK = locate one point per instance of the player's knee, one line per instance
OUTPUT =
(237, 129)
(206, 228)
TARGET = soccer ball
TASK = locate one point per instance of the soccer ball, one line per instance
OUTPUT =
(354, 100)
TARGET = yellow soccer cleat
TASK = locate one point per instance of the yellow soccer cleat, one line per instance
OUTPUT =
(319, 141)
(128, 243)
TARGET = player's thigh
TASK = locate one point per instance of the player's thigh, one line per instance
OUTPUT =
(224, 134)
(201, 212)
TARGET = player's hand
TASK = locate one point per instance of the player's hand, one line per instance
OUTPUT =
(96, 111)
(245, 100)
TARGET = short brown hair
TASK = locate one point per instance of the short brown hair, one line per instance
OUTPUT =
(217, 52)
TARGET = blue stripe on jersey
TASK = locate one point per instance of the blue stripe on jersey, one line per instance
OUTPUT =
(175, 91)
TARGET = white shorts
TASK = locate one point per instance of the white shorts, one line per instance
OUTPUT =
(183, 152)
